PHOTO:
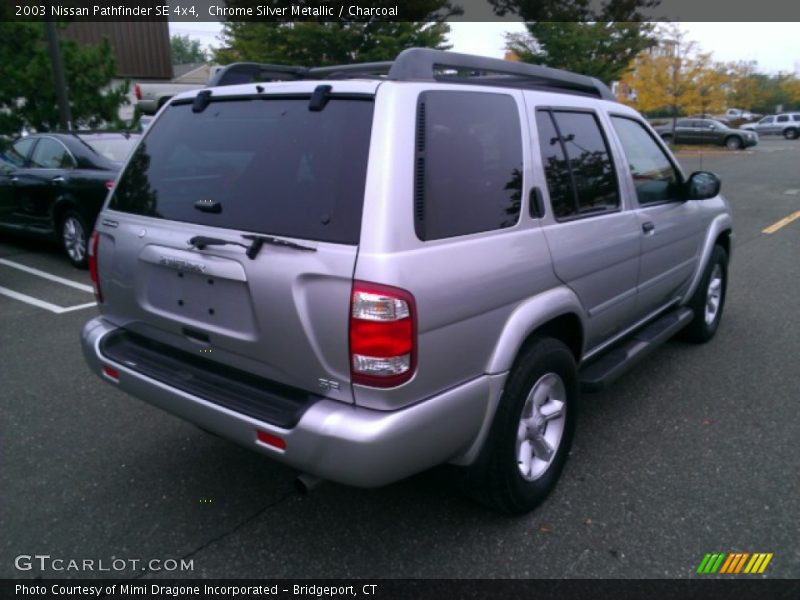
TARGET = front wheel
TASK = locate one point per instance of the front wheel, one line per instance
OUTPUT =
(75, 238)
(532, 431)
(733, 143)
(709, 299)
(667, 139)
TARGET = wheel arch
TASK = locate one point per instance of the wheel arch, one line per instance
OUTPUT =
(720, 231)
(556, 313)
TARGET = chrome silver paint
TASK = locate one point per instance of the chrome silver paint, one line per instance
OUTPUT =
(541, 426)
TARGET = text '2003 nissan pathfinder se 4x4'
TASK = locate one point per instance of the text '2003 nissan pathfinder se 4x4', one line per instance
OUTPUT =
(365, 271)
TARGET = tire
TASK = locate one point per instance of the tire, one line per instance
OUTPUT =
(75, 238)
(733, 143)
(667, 137)
(790, 134)
(709, 299)
(509, 473)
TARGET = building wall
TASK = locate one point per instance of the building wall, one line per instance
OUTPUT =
(141, 49)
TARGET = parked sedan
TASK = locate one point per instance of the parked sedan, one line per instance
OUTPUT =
(707, 131)
(53, 185)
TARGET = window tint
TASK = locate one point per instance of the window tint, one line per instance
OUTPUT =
(654, 177)
(19, 151)
(783, 118)
(589, 161)
(50, 154)
(556, 168)
(468, 164)
(273, 165)
(766, 120)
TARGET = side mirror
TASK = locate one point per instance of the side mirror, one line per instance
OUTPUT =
(702, 185)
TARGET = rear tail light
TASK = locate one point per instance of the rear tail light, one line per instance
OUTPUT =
(109, 184)
(383, 335)
(93, 242)
(137, 91)
(111, 373)
(271, 440)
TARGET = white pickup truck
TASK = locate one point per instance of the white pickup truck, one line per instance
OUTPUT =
(151, 96)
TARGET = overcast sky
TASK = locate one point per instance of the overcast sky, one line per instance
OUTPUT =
(776, 46)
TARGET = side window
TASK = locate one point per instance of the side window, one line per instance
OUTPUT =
(49, 154)
(766, 120)
(783, 119)
(556, 167)
(468, 164)
(588, 164)
(654, 176)
(18, 153)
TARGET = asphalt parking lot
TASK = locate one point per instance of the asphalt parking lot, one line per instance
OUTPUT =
(693, 452)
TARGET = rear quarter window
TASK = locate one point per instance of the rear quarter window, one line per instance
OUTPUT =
(272, 165)
(468, 164)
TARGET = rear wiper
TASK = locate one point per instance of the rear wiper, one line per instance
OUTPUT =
(201, 241)
(260, 240)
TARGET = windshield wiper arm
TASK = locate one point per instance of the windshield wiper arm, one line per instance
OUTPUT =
(260, 240)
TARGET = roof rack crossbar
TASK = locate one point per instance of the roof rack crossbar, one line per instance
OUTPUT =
(373, 68)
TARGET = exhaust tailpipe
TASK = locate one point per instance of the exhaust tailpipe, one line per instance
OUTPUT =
(304, 483)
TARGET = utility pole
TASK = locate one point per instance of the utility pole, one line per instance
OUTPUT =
(60, 82)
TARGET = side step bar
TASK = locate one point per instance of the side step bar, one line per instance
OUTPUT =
(600, 372)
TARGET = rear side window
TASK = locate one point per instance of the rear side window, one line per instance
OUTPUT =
(270, 164)
(468, 164)
(581, 164)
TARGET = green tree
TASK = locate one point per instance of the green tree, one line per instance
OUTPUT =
(185, 50)
(572, 35)
(321, 44)
(330, 43)
(599, 49)
(27, 91)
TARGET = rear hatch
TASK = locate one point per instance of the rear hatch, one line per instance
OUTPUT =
(233, 233)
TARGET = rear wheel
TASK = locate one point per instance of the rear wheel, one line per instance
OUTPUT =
(790, 134)
(733, 143)
(530, 436)
(75, 239)
(709, 299)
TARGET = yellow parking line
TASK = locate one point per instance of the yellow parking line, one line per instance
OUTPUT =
(782, 223)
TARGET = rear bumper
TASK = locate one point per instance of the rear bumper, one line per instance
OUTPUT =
(332, 440)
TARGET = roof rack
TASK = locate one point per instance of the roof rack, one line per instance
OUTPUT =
(426, 64)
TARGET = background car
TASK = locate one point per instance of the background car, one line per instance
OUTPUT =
(706, 131)
(785, 124)
(52, 185)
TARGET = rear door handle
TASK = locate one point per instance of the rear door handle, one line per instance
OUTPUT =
(58, 179)
(14, 179)
(648, 226)
(536, 203)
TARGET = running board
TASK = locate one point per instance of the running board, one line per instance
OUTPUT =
(602, 371)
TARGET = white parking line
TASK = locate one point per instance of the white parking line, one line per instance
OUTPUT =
(63, 281)
(53, 308)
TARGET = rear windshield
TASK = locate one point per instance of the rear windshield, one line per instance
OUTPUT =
(112, 148)
(269, 165)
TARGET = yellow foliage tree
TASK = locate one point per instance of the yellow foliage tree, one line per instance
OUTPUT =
(675, 76)
(747, 89)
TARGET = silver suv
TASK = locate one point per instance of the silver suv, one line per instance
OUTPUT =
(785, 124)
(365, 271)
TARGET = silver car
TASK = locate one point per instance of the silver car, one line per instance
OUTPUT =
(785, 124)
(369, 270)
